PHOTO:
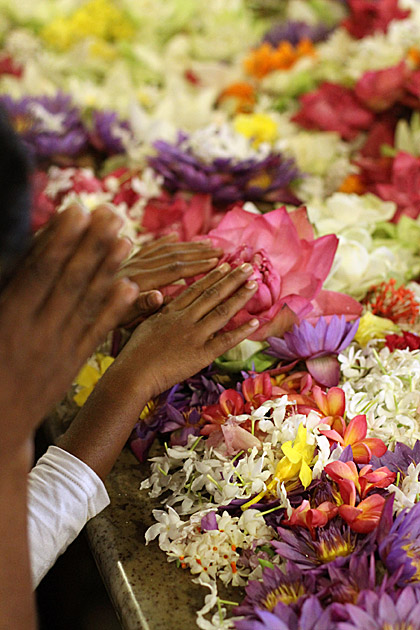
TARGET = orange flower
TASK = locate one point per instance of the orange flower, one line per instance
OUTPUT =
(355, 436)
(240, 97)
(265, 59)
(352, 184)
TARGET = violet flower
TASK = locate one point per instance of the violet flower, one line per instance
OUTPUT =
(333, 543)
(108, 132)
(399, 459)
(291, 587)
(226, 180)
(383, 612)
(344, 584)
(295, 31)
(400, 549)
(49, 125)
(317, 345)
(312, 617)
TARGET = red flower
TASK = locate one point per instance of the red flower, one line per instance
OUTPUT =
(305, 516)
(189, 217)
(364, 517)
(42, 207)
(404, 189)
(370, 16)
(405, 341)
(381, 89)
(333, 107)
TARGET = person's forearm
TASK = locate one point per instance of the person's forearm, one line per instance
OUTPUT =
(17, 608)
(102, 427)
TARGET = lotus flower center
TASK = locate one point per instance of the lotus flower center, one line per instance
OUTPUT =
(285, 593)
(329, 550)
(400, 625)
(264, 274)
(413, 552)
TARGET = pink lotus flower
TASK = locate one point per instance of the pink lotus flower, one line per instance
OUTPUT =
(404, 189)
(333, 107)
(370, 16)
(381, 89)
(290, 267)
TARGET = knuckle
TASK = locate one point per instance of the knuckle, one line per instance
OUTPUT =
(174, 266)
(43, 269)
(212, 292)
(73, 280)
(222, 310)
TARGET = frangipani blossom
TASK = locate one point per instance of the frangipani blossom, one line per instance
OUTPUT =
(365, 516)
(290, 267)
(355, 436)
(308, 517)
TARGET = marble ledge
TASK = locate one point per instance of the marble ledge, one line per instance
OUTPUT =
(147, 592)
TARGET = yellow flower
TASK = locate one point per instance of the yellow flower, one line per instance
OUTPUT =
(89, 376)
(257, 127)
(98, 19)
(295, 463)
(373, 327)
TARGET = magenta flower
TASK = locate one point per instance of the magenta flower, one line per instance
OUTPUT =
(317, 345)
(290, 267)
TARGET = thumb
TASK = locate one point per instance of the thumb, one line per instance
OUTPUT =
(148, 302)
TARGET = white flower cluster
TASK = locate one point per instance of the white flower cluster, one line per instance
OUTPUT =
(386, 387)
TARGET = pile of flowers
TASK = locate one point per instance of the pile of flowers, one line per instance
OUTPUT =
(289, 134)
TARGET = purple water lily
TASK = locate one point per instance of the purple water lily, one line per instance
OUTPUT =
(333, 543)
(374, 611)
(317, 345)
(226, 180)
(312, 617)
(291, 587)
(344, 584)
(400, 549)
(108, 131)
(399, 459)
(295, 31)
(49, 125)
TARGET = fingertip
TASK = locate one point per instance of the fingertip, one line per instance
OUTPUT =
(253, 323)
(154, 299)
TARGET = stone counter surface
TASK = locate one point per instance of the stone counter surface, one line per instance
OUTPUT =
(148, 592)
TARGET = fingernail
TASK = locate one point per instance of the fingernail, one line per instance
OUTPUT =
(213, 261)
(253, 323)
(206, 241)
(246, 268)
(251, 285)
(224, 267)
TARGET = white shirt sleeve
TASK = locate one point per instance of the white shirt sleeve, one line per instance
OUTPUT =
(63, 494)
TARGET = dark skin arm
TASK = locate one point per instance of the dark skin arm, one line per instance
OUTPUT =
(55, 309)
(165, 349)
